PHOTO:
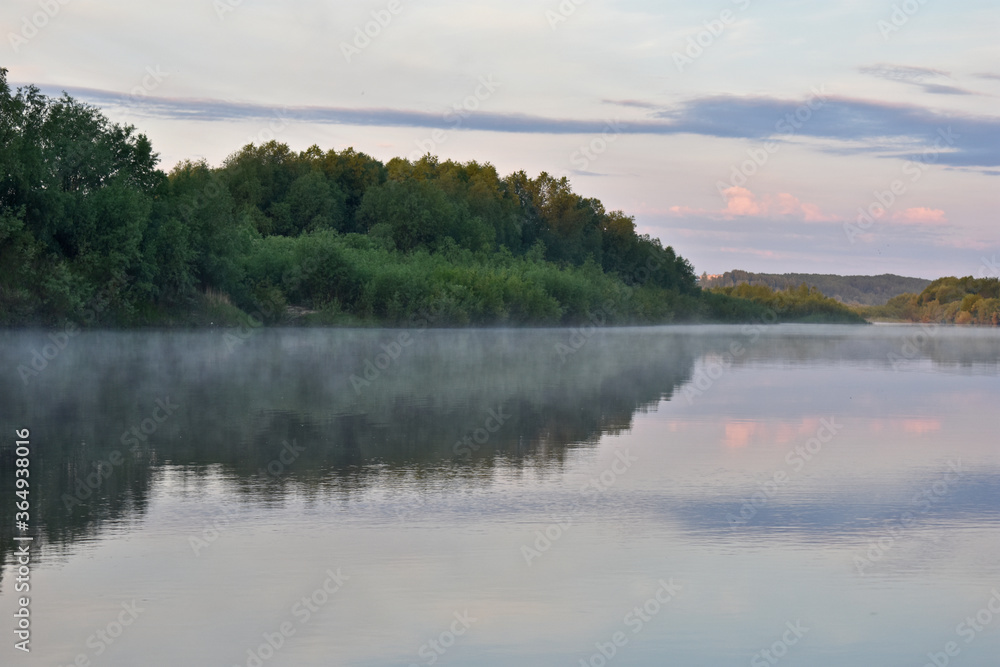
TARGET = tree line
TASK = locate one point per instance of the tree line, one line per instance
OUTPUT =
(92, 229)
(852, 290)
(948, 300)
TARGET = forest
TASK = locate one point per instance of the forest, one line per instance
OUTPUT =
(801, 304)
(945, 301)
(93, 232)
(852, 290)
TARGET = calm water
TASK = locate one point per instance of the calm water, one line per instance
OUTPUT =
(662, 496)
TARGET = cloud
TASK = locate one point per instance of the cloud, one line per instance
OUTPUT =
(904, 73)
(767, 254)
(741, 203)
(636, 104)
(858, 124)
(941, 89)
(921, 215)
(915, 76)
(917, 215)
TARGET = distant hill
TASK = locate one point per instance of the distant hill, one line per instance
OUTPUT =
(854, 290)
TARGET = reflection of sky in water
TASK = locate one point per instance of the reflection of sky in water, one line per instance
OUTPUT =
(422, 537)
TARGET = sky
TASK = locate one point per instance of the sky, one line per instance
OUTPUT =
(847, 136)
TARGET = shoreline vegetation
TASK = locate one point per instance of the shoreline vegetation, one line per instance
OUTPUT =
(884, 298)
(961, 301)
(93, 233)
(851, 290)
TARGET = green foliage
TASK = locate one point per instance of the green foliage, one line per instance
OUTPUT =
(76, 196)
(801, 304)
(854, 290)
(948, 301)
(89, 227)
(721, 307)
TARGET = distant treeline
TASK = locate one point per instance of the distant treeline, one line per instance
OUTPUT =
(92, 231)
(947, 301)
(801, 304)
(854, 290)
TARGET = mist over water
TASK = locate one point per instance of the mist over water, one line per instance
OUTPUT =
(545, 481)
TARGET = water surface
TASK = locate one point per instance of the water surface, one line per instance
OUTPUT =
(514, 497)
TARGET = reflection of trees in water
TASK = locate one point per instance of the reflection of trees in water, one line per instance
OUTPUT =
(238, 408)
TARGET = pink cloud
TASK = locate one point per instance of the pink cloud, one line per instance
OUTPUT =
(770, 254)
(921, 215)
(741, 202)
(687, 210)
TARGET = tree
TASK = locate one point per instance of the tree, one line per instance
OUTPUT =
(417, 213)
(315, 203)
(75, 201)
